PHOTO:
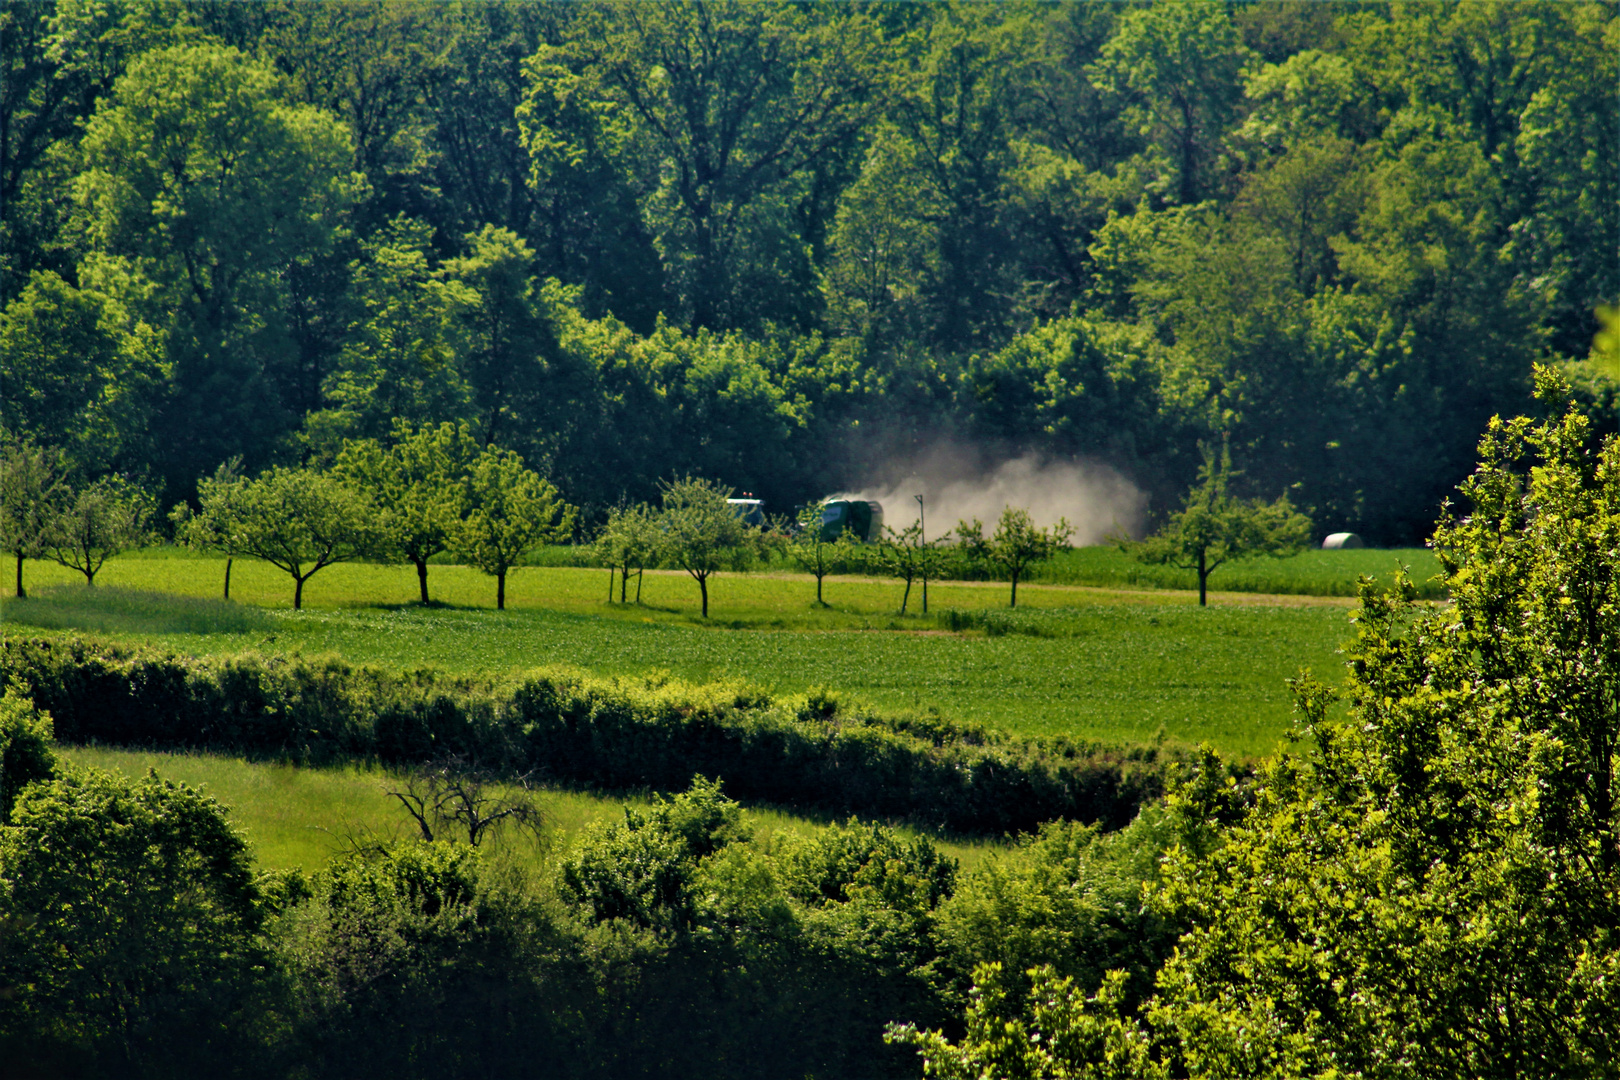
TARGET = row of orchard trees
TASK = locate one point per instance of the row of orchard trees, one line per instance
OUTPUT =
(434, 490)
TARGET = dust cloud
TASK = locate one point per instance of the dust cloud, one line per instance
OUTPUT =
(956, 486)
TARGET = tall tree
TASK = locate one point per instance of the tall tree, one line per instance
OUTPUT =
(1016, 545)
(737, 100)
(210, 187)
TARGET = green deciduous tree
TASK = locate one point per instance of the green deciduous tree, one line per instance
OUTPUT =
(214, 526)
(1016, 545)
(1428, 884)
(96, 521)
(702, 533)
(813, 553)
(298, 520)
(1214, 528)
(511, 508)
(32, 483)
(421, 485)
(207, 188)
(80, 370)
(132, 925)
(629, 541)
(905, 555)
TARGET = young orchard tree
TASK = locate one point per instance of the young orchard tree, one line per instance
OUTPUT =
(703, 534)
(905, 556)
(1016, 545)
(629, 541)
(1213, 529)
(302, 521)
(812, 552)
(421, 486)
(511, 508)
(213, 527)
(452, 798)
(98, 521)
(31, 483)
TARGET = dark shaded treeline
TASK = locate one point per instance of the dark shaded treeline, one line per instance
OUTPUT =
(779, 245)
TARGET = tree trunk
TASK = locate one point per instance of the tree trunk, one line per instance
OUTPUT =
(421, 577)
(624, 584)
(1014, 590)
(818, 591)
(703, 587)
(925, 594)
(89, 575)
(21, 593)
(500, 591)
(298, 592)
(1203, 577)
(611, 572)
(639, 575)
(906, 599)
(227, 577)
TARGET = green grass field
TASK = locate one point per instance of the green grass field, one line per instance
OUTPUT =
(1113, 665)
(1310, 573)
(300, 817)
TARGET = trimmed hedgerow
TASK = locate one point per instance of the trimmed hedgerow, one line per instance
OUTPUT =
(807, 751)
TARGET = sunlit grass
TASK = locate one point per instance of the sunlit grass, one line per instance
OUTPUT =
(1106, 664)
(293, 816)
(110, 609)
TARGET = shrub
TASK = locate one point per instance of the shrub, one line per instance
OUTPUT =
(810, 752)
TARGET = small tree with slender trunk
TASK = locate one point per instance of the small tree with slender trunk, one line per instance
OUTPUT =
(511, 509)
(420, 485)
(212, 527)
(814, 553)
(98, 521)
(702, 533)
(302, 521)
(905, 556)
(1016, 545)
(1214, 529)
(31, 483)
(629, 541)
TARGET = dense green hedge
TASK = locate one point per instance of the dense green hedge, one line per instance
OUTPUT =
(810, 751)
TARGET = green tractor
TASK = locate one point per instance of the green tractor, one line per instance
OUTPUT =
(858, 516)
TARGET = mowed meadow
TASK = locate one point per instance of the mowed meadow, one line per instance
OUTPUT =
(1118, 665)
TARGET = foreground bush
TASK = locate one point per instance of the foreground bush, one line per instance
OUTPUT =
(809, 752)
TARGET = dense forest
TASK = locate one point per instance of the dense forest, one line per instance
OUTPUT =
(784, 245)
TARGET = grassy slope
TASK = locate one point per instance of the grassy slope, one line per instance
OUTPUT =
(301, 817)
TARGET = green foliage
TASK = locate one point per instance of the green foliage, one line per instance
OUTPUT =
(810, 550)
(95, 521)
(642, 870)
(1214, 528)
(421, 483)
(31, 486)
(292, 519)
(1016, 546)
(1429, 885)
(25, 748)
(199, 189)
(630, 540)
(616, 734)
(510, 509)
(702, 533)
(132, 923)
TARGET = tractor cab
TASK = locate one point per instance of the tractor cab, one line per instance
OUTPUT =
(752, 511)
(860, 517)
